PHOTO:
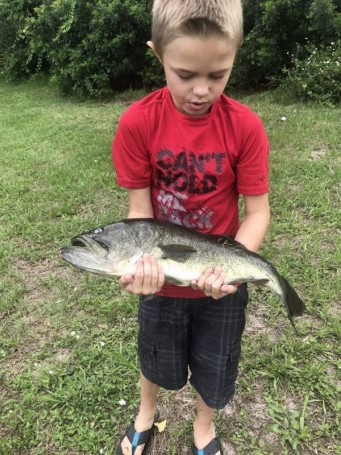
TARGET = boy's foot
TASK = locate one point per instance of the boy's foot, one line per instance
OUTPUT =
(212, 448)
(206, 442)
(137, 437)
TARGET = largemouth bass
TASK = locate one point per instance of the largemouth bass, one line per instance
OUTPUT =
(184, 255)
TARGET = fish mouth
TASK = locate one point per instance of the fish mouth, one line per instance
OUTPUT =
(95, 256)
(91, 245)
(88, 254)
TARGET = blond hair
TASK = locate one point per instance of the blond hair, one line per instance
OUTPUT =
(205, 18)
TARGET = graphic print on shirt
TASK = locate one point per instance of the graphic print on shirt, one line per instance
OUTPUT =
(180, 176)
(171, 209)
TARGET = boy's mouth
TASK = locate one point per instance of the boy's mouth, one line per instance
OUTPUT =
(198, 106)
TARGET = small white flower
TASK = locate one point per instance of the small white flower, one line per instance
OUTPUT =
(101, 451)
(35, 364)
(73, 333)
(122, 402)
(50, 372)
(283, 118)
(102, 343)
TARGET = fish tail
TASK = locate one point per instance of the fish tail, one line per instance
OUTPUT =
(293, 303)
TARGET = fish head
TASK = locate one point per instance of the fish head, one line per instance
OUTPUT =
(108, 250)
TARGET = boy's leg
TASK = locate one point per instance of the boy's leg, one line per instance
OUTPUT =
(204, 430)
(215, 349)
(145, 417)
(147, 409)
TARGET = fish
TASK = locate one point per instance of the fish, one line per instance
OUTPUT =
(183, 253)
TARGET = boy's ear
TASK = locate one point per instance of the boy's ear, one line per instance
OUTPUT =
(150, 44)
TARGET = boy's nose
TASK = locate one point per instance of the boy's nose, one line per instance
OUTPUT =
(201, 89)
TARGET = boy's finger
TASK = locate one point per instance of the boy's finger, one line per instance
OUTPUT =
(125, 280)
(201, 281)
(215, 280)
(161, 277)
(229, 289)
(154, 277)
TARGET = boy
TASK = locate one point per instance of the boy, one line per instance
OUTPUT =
(185, 153)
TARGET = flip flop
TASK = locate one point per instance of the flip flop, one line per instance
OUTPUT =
(211, 449)
(137, 438)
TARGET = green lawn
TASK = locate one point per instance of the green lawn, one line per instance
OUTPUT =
(68, 339)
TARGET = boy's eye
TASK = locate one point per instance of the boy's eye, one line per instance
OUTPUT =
(185, 76)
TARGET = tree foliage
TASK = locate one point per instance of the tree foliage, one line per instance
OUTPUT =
(279, 30)
(89, 46)
(93, 47)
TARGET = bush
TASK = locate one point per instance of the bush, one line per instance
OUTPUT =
(152, 74)
(18, 60)
(278, 29)
(93, 47)
(90, 47)
(317, 77)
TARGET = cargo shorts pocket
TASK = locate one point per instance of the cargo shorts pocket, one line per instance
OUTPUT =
(147, 354)
(231, 371)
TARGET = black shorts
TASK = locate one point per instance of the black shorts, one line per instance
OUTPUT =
(203, 336)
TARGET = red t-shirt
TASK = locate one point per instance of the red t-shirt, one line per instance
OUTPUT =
(196, 167)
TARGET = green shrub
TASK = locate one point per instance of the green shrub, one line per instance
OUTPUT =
(317, 77)
(275, 29)
(93, 47)
(152, 74)
(90, 47)
(18, 60)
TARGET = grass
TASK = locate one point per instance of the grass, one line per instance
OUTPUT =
(68, 339)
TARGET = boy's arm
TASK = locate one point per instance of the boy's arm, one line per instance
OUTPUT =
(250, 233)
(140, 203)
(149, 277)
(255, 223)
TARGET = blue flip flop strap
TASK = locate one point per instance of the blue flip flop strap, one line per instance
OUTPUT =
(137, 438)
(211, 448)
(135, 441)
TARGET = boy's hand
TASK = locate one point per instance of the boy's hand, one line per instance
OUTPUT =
(212, 284)
(148, 278)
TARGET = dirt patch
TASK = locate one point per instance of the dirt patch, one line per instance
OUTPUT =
(257, 321)
(178, 409)
(33, 273)
(32, 324)
(334, 309)
(318, 154)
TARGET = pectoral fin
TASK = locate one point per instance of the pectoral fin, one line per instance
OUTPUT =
(178, 253)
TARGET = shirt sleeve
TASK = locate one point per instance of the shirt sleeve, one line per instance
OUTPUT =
(129, 150)
(252, 165)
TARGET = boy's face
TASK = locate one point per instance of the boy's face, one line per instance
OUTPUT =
(197, 71)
